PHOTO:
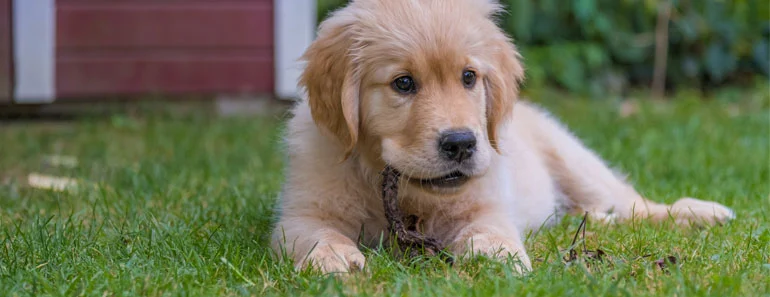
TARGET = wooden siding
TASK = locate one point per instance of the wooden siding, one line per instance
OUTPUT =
(107, 47)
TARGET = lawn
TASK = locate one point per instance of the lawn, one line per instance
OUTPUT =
(181, 204)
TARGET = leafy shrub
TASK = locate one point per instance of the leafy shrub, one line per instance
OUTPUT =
(607, 46)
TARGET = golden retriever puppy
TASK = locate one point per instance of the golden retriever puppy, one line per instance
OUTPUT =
(430, 88)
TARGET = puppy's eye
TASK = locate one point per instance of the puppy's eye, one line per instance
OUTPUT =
(469, 79)
(404, 84)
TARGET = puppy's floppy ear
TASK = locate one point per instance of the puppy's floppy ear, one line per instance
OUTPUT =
(502, 83)
(331, 82)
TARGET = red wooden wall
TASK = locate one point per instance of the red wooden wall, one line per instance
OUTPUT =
(107, 47)
(6, 74)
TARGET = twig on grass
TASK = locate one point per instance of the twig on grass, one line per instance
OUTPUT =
(597, 254)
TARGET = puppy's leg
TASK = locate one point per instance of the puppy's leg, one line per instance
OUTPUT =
(591, 186)
(491, 235)
(318, 223)
(310, 241)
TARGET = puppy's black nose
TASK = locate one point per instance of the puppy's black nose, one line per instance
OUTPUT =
(457, 145)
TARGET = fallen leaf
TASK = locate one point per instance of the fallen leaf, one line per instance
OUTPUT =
(664, 262)
(51, 182)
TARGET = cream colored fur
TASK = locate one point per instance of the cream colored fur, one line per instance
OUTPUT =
(527, 171)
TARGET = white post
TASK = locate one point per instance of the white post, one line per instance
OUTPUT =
(34, 48)
(295, 25)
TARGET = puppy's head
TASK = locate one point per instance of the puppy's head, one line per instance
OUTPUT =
(421, 85)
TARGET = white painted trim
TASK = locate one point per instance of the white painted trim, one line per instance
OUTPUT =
(34, 42)
(295, 25)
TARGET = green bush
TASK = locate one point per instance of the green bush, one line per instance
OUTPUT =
(606, 46)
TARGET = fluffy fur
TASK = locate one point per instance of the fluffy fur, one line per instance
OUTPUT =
(527, 168)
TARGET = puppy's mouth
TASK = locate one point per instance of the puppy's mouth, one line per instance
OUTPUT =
(452, 180)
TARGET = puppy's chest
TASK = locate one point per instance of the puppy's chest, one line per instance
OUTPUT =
(425, 218)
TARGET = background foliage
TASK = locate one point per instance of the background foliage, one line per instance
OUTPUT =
(608, 46)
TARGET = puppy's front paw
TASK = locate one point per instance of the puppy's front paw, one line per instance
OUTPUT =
(496, 247)
(604, 217)
(334, 258)
(690, 210)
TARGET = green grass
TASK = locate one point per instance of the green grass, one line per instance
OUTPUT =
(182, 205)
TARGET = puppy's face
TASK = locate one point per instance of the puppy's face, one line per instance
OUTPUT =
(423, 111)
(418, 85)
